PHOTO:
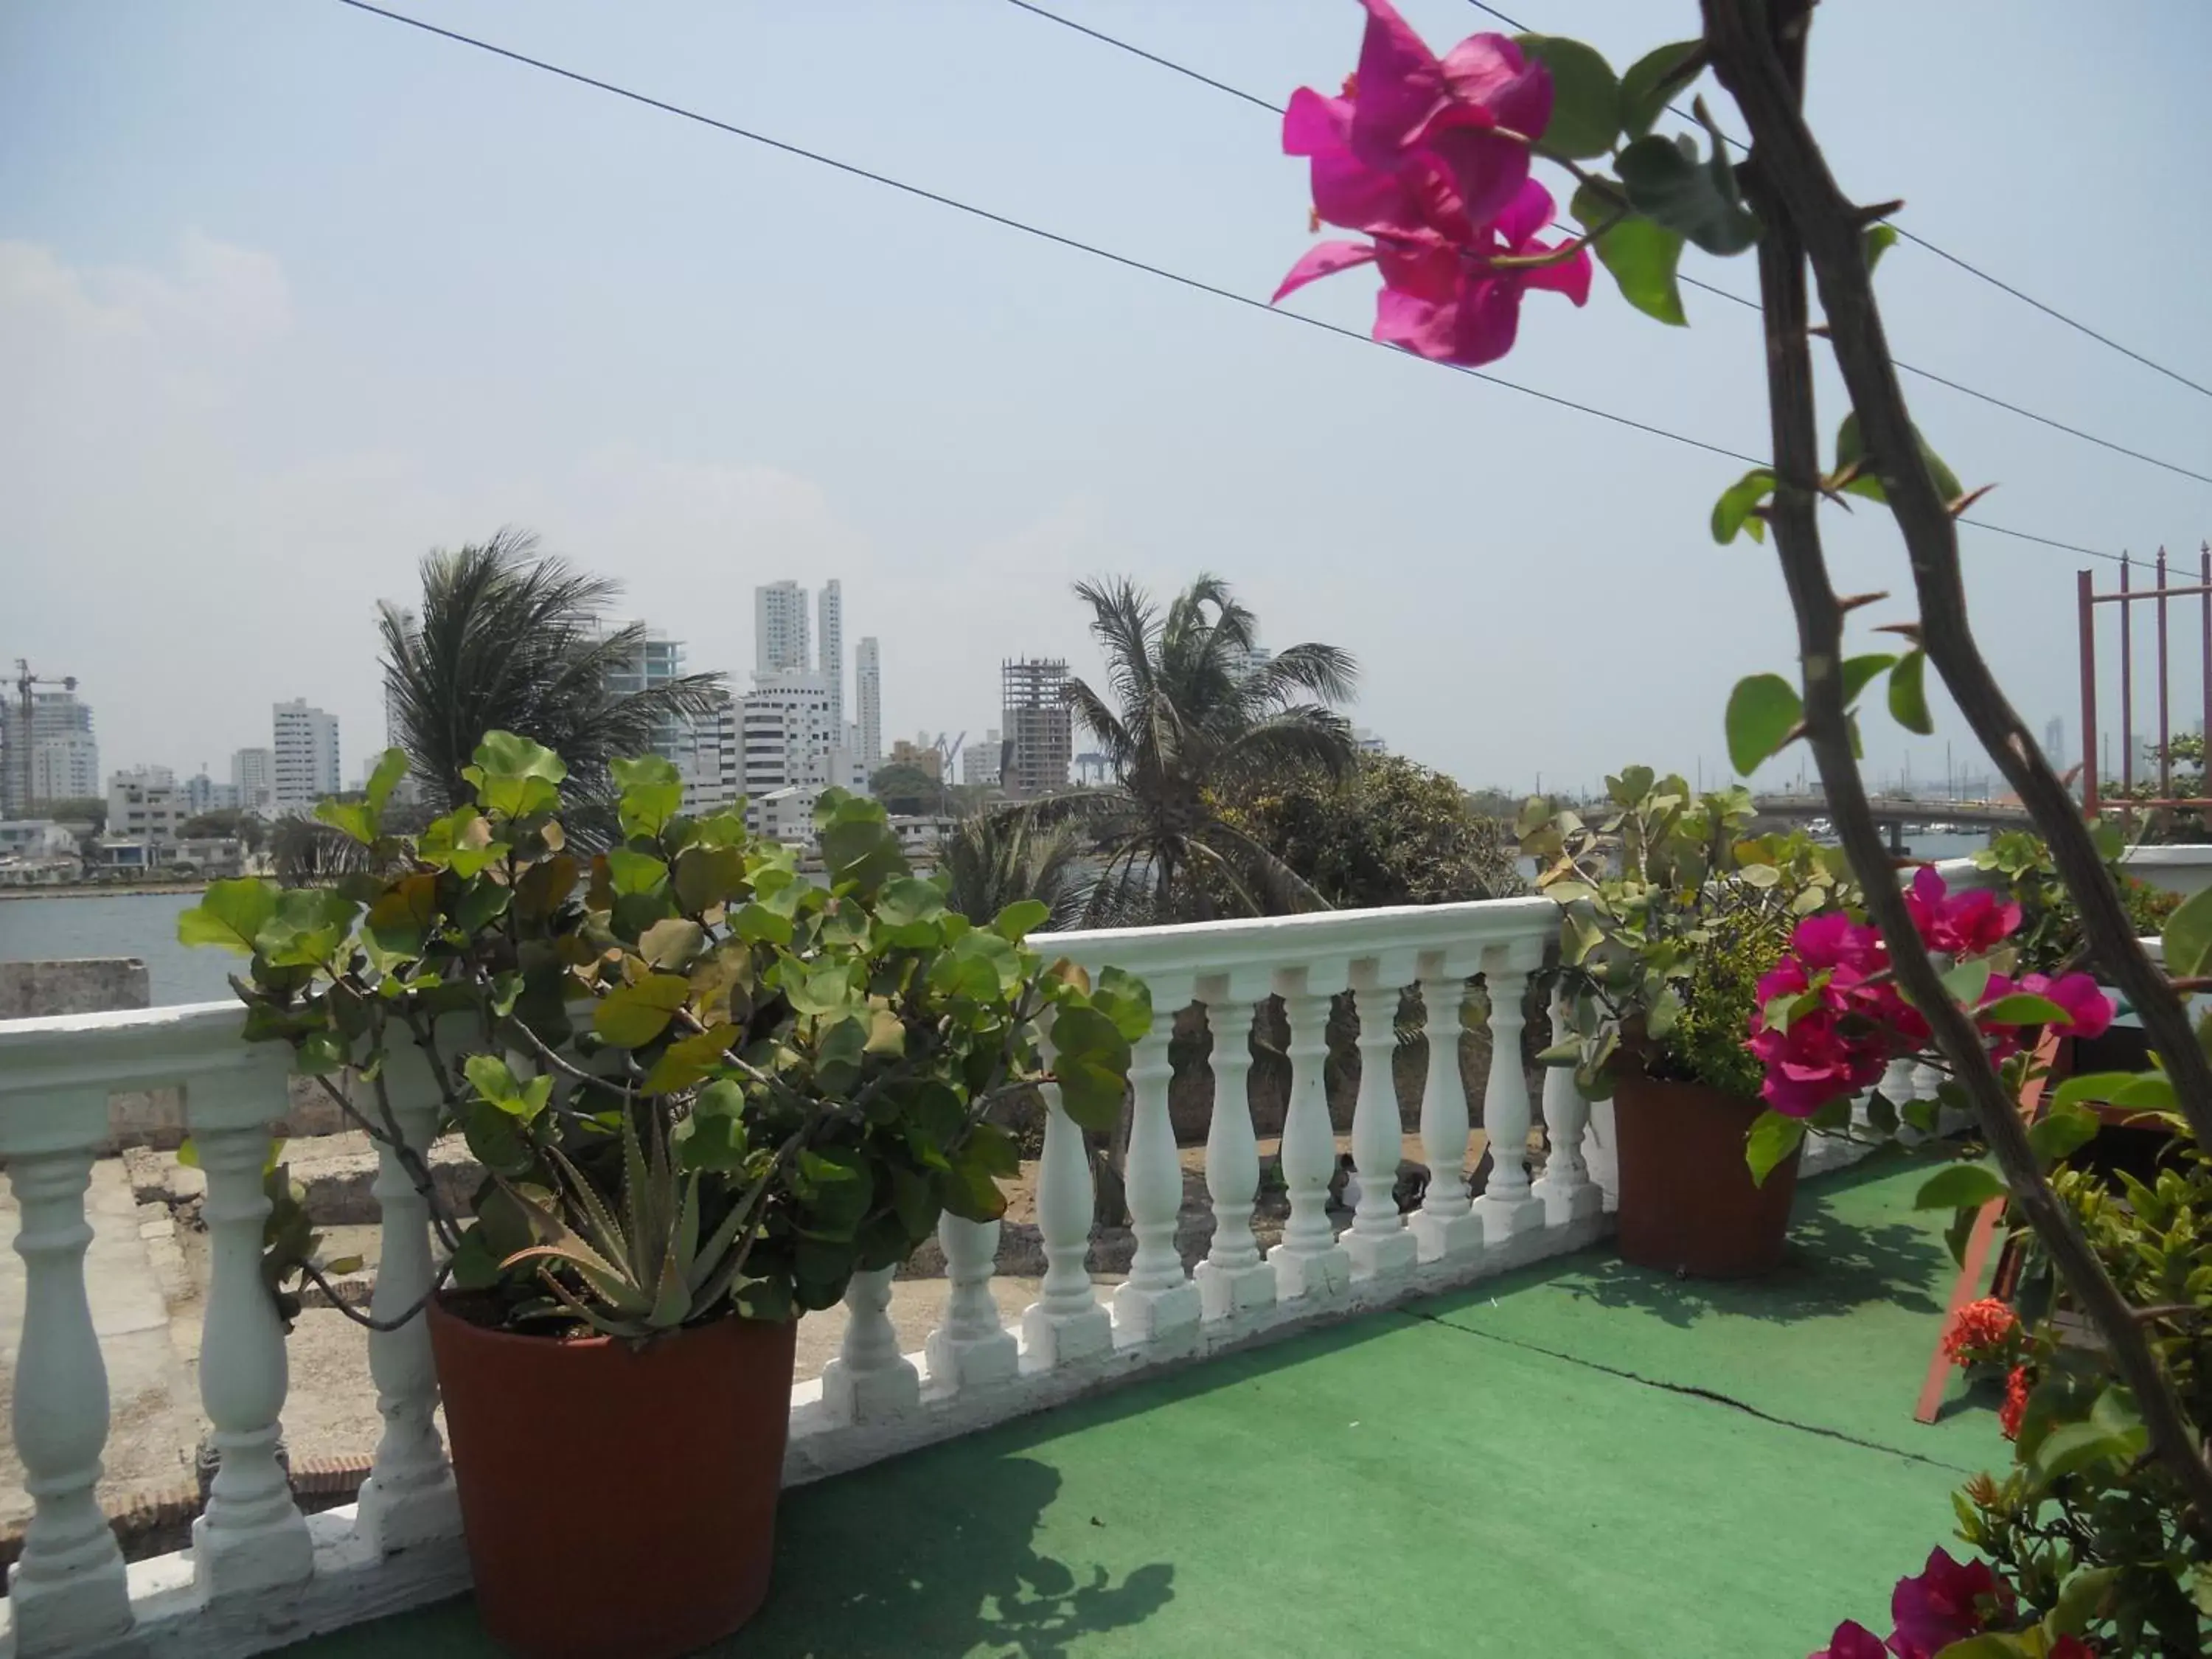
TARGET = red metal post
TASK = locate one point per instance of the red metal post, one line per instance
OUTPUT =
(2127, 688)
(2085, 584)
(2164, 727)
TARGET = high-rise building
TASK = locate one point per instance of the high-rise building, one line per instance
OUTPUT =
(779, 641)
(2054, 741)
(979, 762)
(713, 763)
(202, 794)
(307, 757)
(144, 804)
(868, 686)
(833, 650)
(253, 776)
(790, 739)
(53, 756)
(1036, 721)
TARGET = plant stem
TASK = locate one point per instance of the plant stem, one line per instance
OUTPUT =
(1765, 74)
(370, 1321)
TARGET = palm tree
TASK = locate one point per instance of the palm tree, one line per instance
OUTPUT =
(994, 859)
(1190, 713)
(512, 640)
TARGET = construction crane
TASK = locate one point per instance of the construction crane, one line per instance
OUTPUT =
(945, 756)
(25, 679)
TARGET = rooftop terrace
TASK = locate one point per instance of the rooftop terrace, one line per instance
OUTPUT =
(1578, 1457)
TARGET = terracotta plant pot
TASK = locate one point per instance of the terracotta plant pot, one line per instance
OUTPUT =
(1687, 1204)
(617, 1501)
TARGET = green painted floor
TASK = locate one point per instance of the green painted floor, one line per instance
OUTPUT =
(1536, 1467)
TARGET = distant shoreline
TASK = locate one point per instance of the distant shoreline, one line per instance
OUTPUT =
(103, 890)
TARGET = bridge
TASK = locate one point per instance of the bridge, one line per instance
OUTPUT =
(1895, 812)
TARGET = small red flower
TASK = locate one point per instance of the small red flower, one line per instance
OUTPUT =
(2015, 1402)
(1980, 1330)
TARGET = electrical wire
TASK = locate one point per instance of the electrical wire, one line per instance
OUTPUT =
(1930, 374)
(1122, 260)
(1922, 242)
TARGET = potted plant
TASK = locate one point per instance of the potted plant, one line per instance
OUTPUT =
(1671, 919)
(707, 1089)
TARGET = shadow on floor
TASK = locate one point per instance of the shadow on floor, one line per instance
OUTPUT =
(937, 1555)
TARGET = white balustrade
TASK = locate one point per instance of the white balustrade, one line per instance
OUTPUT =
(252, 1567)
(1232, 1278)
(972, 1348)
(67, 1590)
(1377, 1241)
(1158, 1302)
(1067, 1323)
(409, 1497)
(251, 1534)
(1507, 1207)
(870, 1381)
(1446, 1228)
(1566, 1188)
(1308, 1261)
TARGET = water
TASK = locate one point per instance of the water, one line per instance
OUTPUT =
(141, 924)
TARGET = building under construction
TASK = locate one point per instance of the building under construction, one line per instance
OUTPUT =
(1037, 744)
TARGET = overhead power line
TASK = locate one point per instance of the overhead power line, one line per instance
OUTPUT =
(1123, 260)
(1920, 241)
(1930, 374)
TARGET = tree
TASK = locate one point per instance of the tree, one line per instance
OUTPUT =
(77, 809)
(994, 859)
(512, 640)
(227, 822)
(1191, 715)
(1391, 833)
(903, 788)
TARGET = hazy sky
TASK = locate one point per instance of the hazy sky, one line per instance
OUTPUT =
(289, 294)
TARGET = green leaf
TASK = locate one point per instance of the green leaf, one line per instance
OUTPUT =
(1021, 919)
(673, 943)
(1650, 83)
(1773, 1138)
(1125, 999)
(634, 873)
(1762, 712)
(1640, 256)
(351, 818)
(1966, 981)
(710, 1140)
(1908, 696)
(1733, 512)
(1859, 672)
(2080, 1599)
(1959, 1187)
(1585, 97)
(2150, 1090)
(1090, 1062)
(908, 910)
(230, 914)
(2022, 1008)
(2188, 936)
(755, 924)
(707, 876)
(631, 1016)
(2073, 1447)
(652, 793)
(320, 1054)
(514, 777)
(1851, 447)
(1878, 240)
(1667, 181)
(689, 1058)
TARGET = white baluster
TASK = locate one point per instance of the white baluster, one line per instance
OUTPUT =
(1507, 1207)
(68, 1589)
(1564, 1187)
(1308, 1261)
(1232, 1278)
(1600, 1154)
(1157, 1303)
(408, 1497)
(1066, 1323)
(1378, 1241)
(253, 1534)
(972, 1348)
(870, 1381)
(1446, 1227)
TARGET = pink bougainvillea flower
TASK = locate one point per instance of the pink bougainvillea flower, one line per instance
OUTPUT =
(1948, 1601)
(1404, 98)
(1453, 304)
(1852, 1640)
(1958, 924)
(1834, 940)
(2088, 1010)
(1405, 195)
